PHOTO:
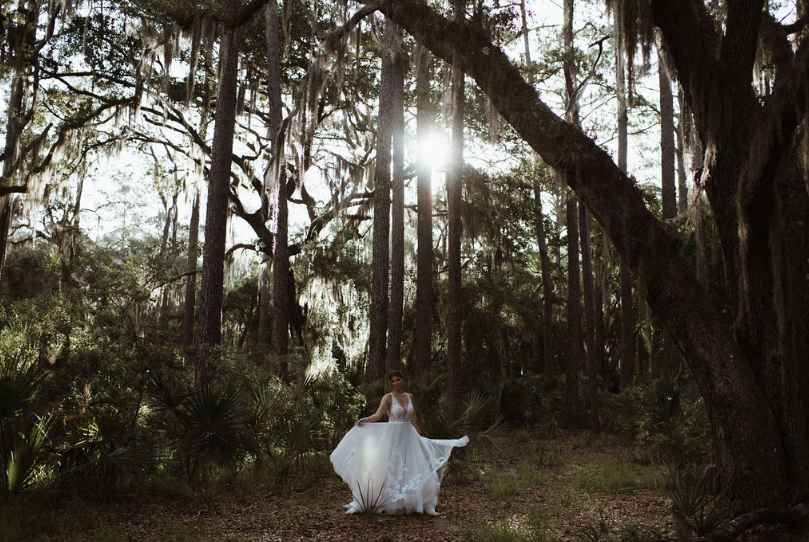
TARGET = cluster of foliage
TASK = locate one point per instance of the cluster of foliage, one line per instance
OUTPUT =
(95, 393)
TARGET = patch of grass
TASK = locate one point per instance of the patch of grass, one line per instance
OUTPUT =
(530, 475)
(534, 528)
(628, 532)
(606, 476)
(543, 457)
(502, 485)
(652, 477)
(587, 440)
(10, 527)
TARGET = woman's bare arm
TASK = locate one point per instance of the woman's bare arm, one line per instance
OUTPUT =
(384, 407)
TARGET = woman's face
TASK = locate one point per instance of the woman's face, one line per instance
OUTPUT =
(396, 383)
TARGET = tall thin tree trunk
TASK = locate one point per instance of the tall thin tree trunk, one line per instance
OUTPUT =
(671, 354)
(601, 299)
(381, 236)
(627, 329)
(573, 316)
(13, 132)
(280, 254)
(589, 317)
(191, 273)
(454, 200)
(213, 269)
(682, 175)
(547, 285)
(397, 205)
(424, 279)
(574, 288)
(272, 40)
(171, 221)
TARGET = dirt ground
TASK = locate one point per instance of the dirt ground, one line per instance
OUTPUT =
(552, 472)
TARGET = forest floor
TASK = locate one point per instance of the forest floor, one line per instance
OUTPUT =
(582, 488)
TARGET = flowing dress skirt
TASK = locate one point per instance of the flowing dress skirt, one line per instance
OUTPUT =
(391, 469)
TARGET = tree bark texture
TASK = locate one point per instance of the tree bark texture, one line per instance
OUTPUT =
(271, 29)
(593, 366)
(213, 254)
(393, 46)
(671, 357)
(13, 133)
(424, 278)
(191, 276)
(454, 229)
(381, 236)
(547, 286)
(745, 406)
(281, 274)
(627, 325)
(573, 316)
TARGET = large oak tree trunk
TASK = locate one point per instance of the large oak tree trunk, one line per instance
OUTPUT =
(730, 375)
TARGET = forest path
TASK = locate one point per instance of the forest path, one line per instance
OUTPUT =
(559, 475)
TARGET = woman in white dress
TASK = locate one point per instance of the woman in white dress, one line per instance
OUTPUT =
(390, 467)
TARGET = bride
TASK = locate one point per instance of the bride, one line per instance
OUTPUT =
(390, 467)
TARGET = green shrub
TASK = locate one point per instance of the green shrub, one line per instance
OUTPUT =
(533, 400)
(666, 419)
(692, 500)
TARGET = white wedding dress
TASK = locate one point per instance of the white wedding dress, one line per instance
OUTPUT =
(390, 467)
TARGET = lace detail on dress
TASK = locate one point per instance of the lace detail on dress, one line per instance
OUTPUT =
(398, 413)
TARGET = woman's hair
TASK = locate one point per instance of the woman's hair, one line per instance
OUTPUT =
(394, 373)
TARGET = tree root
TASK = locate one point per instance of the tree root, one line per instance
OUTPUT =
(795, 518)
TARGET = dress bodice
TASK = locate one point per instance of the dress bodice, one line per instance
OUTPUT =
(399, 413)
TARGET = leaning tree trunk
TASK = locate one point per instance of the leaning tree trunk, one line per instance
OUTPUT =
(671, 356)
(394, 47)
(454, 201)
(424, 278)
(737, 406)
(381, 236)
(213, 254)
